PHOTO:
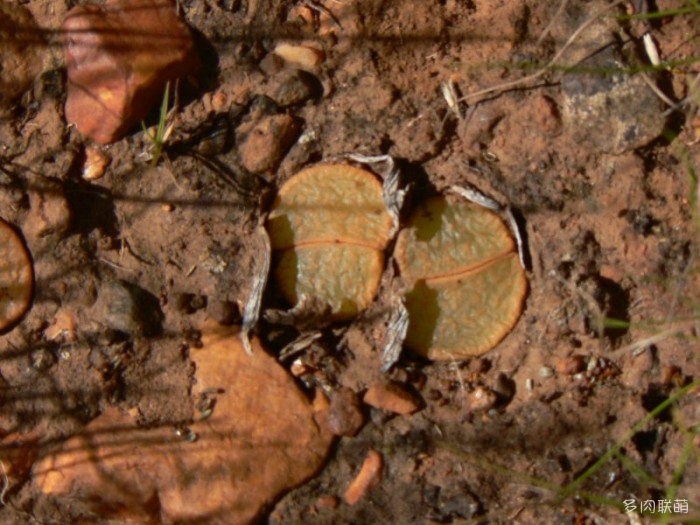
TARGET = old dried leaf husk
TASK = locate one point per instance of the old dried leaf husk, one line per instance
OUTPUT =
(329, 227)
(466, 284)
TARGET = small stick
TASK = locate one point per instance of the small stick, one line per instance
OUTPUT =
(115, 265)
(547, 29)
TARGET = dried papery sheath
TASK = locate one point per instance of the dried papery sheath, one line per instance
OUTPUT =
(393, 197)
(309, 311)
(391, 193)
(473, 195)
(299, 345)
(651, 49)
(477, 197)
(251, 312)
(449, 93)
(515, 230)
(396, 334)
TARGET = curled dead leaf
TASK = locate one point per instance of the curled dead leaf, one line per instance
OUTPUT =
(258, 440)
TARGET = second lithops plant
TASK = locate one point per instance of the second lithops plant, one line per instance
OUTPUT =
(466, 285)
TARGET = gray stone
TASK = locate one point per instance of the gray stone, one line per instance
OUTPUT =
(606, 105)
(609, 110)
(128, 308)
(295, 87)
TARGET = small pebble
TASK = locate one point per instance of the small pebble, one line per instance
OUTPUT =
(570, 365)
(392, 397)
(345, 415)
(62, 327)
(295, 87)
(267, 143)
(219, 102)
(592, 363)
(327, 502)
(370, 474)
(96, 162)
(298, 368)
(545, 372)
(481, 399)
(127, 308)
(611, 113)
(303, 57)
(224, 312)
(262, 106)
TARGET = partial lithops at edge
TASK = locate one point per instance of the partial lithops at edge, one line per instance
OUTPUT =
(466, 285)
(16, 277)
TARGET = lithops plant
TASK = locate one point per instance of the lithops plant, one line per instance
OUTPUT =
(466, 286)
(328, 229)
(16, 277)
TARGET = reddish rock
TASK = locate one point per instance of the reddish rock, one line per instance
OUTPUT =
(344, 415)
(267, 142)
(120, 56)
(570, 365)
(392, 397)
(370, 474)
(303, 57)
(327, 502)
